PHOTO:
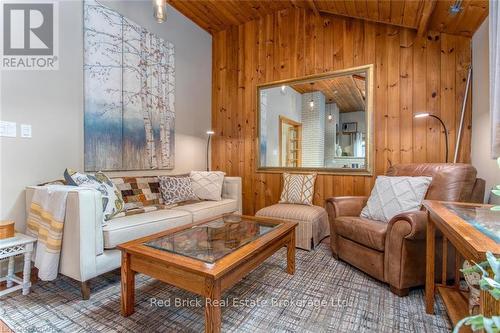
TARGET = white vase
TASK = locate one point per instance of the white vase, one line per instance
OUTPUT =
(338, 151)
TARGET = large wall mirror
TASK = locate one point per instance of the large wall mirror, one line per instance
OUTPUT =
(320, 123)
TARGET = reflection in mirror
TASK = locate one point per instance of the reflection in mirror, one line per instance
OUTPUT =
(320, 123)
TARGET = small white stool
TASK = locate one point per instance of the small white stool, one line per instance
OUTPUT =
(10, 248)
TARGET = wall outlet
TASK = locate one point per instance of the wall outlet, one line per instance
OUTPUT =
(25, 131)
(8, 129)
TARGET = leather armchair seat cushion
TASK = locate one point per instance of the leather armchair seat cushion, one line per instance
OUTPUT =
(123, 229)
(369, 233)
(207, 209)
(369, 261)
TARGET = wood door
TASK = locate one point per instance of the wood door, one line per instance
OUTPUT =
(290, 142)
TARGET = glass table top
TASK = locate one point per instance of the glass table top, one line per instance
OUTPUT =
(211, 241)
(483, 219)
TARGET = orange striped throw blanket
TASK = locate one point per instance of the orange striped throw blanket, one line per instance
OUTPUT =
(46, 223)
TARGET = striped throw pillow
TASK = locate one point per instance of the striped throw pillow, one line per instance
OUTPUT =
(298, 189)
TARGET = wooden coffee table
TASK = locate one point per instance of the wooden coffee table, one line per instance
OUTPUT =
(205, 258)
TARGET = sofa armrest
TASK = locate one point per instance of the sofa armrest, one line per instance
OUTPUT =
(411, 226)
(231, 189)
(342, 206)
(404, 255)
(82, 235)
(345, 206)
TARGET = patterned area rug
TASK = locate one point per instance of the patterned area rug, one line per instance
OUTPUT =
(324, 295)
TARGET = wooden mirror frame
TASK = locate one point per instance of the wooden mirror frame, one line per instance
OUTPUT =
(369, 156)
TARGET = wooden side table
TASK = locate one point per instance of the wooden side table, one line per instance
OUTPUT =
(469, 228)
(10, 248)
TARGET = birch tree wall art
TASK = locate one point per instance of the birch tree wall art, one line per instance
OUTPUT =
(129, 94)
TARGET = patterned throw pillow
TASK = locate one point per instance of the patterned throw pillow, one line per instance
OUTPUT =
(207, 185)
(139, 192)
(395, 195)
(298, 189)
(176, 189)
(112, 200)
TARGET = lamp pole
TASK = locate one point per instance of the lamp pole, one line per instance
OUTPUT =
(426, 114)
(209, 133)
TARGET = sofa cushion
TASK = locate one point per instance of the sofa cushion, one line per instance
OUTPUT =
(369, 233)
(293, 212)
(123, 229)
(207, 209)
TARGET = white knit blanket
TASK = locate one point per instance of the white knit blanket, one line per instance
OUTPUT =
(45, 222)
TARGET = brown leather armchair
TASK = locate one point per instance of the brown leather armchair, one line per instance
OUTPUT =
(394, 252)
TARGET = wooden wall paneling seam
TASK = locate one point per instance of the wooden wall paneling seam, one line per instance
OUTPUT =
(419, 99)
(433, 96)
(381, 91)
(447, 98)
(406, 95)
(393, 102)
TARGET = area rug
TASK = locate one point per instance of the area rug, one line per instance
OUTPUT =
(324, 295)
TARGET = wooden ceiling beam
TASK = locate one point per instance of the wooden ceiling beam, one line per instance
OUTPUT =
(329, 12)
(313, 7)
(429, 6)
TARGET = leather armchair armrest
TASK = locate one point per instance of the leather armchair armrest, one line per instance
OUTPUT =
(342, 206)
(404, 255)
(345, 206)
(414, 228)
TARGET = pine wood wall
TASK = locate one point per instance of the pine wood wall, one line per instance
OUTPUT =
(411, 75)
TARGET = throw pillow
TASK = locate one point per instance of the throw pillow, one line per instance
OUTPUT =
(207, 185)
(298, 189)
(176, 189)
(395, 195)
(112, 200)
(139, 192)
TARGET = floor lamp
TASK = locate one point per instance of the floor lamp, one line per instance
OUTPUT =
(427, 114)
(209, 133)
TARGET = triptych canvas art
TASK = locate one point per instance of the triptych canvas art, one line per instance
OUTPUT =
(129, 78)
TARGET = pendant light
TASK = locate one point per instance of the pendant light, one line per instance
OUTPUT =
(160, 10)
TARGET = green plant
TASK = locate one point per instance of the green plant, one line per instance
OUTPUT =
(492, 286)
(496, 191)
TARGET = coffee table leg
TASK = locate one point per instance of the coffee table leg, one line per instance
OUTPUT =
(290, 254)
(212, 306)
(128, 286)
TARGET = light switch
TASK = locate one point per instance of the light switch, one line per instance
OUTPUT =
(8, 129)
(25, 131)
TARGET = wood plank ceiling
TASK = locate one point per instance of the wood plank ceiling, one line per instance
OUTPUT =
(343, 90)
(218, 15)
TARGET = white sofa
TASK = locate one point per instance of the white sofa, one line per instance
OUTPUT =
(89, 248)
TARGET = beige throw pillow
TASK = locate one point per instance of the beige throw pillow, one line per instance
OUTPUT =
(298, 189)
(207, 185)
(395, 195)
